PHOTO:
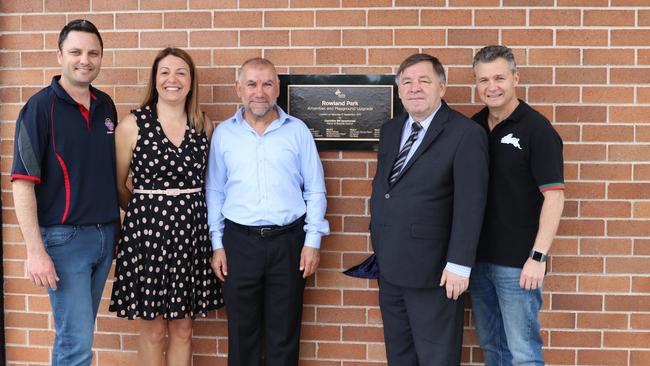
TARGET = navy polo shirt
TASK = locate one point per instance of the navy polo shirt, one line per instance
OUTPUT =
(525, 160)
(69, 153)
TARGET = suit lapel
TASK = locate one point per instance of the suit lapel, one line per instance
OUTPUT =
(434, 130)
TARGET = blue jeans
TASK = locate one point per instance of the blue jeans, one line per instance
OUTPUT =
(82, 257)
(506, 316)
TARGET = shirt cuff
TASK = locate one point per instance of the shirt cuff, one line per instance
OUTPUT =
(312, 240)
(457, 269)
(216, 242)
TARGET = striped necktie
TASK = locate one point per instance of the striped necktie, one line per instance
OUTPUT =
(401, 157)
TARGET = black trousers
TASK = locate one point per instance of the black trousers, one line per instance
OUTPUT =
(264, 296)
(421, 326)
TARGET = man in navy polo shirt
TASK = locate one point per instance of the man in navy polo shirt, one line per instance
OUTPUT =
(63, 178)
(525, 202)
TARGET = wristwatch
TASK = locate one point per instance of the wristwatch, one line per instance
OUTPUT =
(538, 256)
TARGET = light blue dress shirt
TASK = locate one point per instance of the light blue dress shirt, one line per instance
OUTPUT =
(458, 269)
(268, 179)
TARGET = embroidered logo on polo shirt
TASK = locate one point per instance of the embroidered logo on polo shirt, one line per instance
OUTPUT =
(511, 140)
(110, 126)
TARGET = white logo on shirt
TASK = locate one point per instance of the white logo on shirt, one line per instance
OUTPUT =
(511, 140)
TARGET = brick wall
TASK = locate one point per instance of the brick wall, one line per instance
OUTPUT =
(584, 63)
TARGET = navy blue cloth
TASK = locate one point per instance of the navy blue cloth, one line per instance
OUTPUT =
(68, 151)
(369, 269)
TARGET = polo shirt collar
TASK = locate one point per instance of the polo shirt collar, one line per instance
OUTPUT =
(62, 94)
(515, 116)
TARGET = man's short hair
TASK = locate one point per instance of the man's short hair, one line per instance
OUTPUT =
(79, 25)
(422, 57)
(256, 62)
(491, 53)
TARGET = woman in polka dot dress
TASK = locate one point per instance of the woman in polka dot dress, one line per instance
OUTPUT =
(163, 274)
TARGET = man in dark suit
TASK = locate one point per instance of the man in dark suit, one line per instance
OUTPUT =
(428, 198)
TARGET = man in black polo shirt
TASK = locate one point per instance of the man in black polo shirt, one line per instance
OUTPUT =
(525, 202)
(64, 191)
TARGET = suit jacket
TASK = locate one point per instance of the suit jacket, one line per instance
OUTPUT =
(433, 213)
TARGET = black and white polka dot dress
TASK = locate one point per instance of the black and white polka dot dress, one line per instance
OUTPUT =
(163, 263)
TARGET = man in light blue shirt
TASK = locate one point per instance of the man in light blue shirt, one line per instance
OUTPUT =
(266, 205)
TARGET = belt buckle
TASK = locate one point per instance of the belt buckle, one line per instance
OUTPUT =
(172, 191)
(265, 230)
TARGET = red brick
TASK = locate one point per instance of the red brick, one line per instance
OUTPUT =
(466, 37)
(423, 37)
(629, 153)
(628, 228)
(24, 41)
(575, 75)
(602, 357)
(319, 37)
(500, 18)
(335, 18)
(9, 23)
(386, 56)
(235, 57)
(341, 350)
(363, 334)
(605, 209)
(606, 284)
(163, 39)
(55, 6)
(341, 315)
(162, 4)
(641, 210)
(554, 17)
(392, 18)
(613, 18)
(138, 20)
(574, 264)
(364, 37)
(527, 37)
(605, 171)
(491, 3)
(581, 37)
(553, 94)
(446, 17)
(42, 22)
(583, 114)
(264, 38)
(199, 19)
(265, 4)
(577, 302)
(626, 339)
(629, 75)
(288, 18)
(114, 5)
(320, 332)
(26, 6)
(237, 19)
(28, 354)
(340, 55)
(575, 339)
(627, 265)
(612, 56)
(630, 37)
(554, 56)
(610, 95)
(581, 227)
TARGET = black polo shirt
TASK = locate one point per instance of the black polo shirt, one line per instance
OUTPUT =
(525, 160)
(69, 152)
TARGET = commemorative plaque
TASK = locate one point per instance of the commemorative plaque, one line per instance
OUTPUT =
(343, 112)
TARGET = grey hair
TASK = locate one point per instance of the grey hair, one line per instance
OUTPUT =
(491, 53)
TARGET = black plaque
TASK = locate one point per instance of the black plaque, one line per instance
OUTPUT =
(343, 112)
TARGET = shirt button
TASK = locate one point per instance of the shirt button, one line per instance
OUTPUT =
(387, 195)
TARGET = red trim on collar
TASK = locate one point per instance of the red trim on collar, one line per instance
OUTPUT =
(85, 113)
